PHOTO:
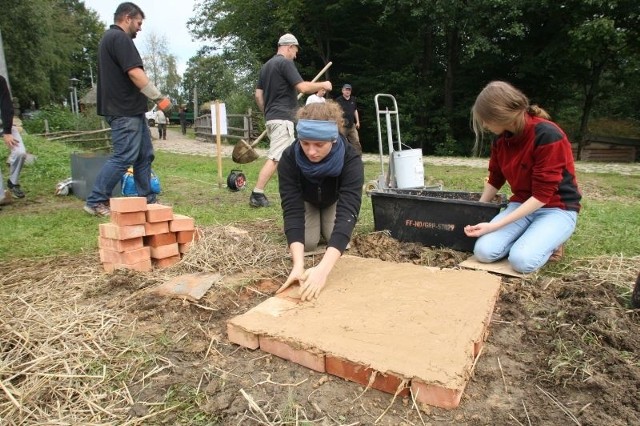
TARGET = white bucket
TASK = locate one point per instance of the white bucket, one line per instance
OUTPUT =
(408, 167)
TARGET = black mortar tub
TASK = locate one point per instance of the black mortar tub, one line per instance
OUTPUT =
(432, 218)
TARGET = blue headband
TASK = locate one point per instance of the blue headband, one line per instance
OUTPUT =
(317, 130)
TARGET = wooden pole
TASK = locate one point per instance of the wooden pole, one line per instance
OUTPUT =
(218, 144)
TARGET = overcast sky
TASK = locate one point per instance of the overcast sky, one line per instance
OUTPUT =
(164, 18)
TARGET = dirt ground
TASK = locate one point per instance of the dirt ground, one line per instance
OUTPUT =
(562, 348)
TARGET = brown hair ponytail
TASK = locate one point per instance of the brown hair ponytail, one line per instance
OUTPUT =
(536, 111)
(500, 103)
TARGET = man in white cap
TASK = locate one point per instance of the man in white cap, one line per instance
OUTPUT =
(276, 96)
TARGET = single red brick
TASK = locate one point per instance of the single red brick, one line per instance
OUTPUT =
(156, 228)
(159, 213)
(181, 223)
(128, 204)
(132, 218)
(184, 248)
(361, 374)
(435, 395)
(162, 252)
(115, 232)
(120, 245)
(160, 239)
(125, 257)
(306, 358)
(185, 236)
(166, 262)
(242, 337)
(144, 266)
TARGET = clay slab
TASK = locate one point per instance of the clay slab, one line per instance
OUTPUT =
(406, 320)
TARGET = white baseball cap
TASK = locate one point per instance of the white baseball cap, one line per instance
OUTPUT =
(288, 40)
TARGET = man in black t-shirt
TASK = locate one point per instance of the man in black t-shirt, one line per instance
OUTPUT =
(123, 90)
(352, 118)
(276, 96)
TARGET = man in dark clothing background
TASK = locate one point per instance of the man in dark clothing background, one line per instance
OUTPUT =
(182, 115)
(350, 107)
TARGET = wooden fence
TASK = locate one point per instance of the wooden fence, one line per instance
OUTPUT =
(239, 126)
(609, 149)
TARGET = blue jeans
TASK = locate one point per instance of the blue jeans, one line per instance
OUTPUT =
(131, 146)
(530, 241)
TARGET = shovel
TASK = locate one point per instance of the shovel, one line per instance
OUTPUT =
(243, 152)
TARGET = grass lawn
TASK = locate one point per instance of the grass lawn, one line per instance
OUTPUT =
(44, 224)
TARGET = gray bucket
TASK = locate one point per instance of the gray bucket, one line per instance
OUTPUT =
(84, 170)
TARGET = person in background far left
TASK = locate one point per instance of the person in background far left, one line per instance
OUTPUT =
(13, 140)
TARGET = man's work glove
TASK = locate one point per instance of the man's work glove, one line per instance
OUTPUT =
(152, 92)
(164, 104)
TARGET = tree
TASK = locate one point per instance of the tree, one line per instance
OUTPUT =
(601, 44)
(161, 66)
(54, 41)
(172, 79)
(217, 78)
(154, 56)
(435, 56)
(582, 48)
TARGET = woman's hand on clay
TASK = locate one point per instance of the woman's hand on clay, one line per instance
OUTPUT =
(312, 283)
(478, 229)
(296, 274)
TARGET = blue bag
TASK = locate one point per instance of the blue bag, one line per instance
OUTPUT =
(128, 184)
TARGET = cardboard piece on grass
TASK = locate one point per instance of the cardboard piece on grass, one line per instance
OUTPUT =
(501, 267)
(191, 286)
(7, 199)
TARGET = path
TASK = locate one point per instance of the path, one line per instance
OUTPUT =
(183, 145)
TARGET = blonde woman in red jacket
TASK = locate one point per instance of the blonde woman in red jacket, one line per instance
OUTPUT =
(533, 155)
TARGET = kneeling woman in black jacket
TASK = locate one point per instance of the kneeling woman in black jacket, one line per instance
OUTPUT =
(320, 177)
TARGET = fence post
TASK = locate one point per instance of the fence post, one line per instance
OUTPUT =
(247, 126)
(250, 124)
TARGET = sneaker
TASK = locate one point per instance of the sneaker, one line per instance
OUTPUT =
(100, 210)
(258, 200)
(15, 189)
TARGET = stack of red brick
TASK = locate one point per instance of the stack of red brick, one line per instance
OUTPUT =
(141, 236)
